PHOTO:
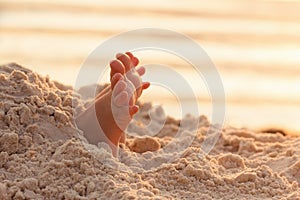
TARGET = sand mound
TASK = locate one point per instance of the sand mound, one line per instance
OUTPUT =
(42, 157)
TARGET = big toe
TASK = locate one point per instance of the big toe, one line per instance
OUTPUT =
(119, 87)
(115, 78)
(126, 61)
(116, 66)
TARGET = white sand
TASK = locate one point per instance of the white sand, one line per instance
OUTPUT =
(41, 156)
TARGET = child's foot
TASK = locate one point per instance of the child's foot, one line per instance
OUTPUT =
(114, 107)
(117, 67)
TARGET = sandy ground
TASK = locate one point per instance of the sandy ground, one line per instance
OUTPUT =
(43, 157)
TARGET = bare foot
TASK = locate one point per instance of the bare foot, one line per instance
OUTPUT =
(113, 108)
(123, 64)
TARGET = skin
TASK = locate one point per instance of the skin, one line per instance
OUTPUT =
(114, 106)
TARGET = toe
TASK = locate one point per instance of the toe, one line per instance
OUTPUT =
(133, 110)
(134, 60)
(119, 87)
(114, 80)
(125, 59)
(145, 85)
(116, 67)
(141, 71)
(129, 54)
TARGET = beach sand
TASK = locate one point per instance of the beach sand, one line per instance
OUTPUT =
(43, 156)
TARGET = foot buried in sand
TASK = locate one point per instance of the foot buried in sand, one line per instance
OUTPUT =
(113, 108)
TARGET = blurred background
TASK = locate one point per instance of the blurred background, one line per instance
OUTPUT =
(255, 46)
